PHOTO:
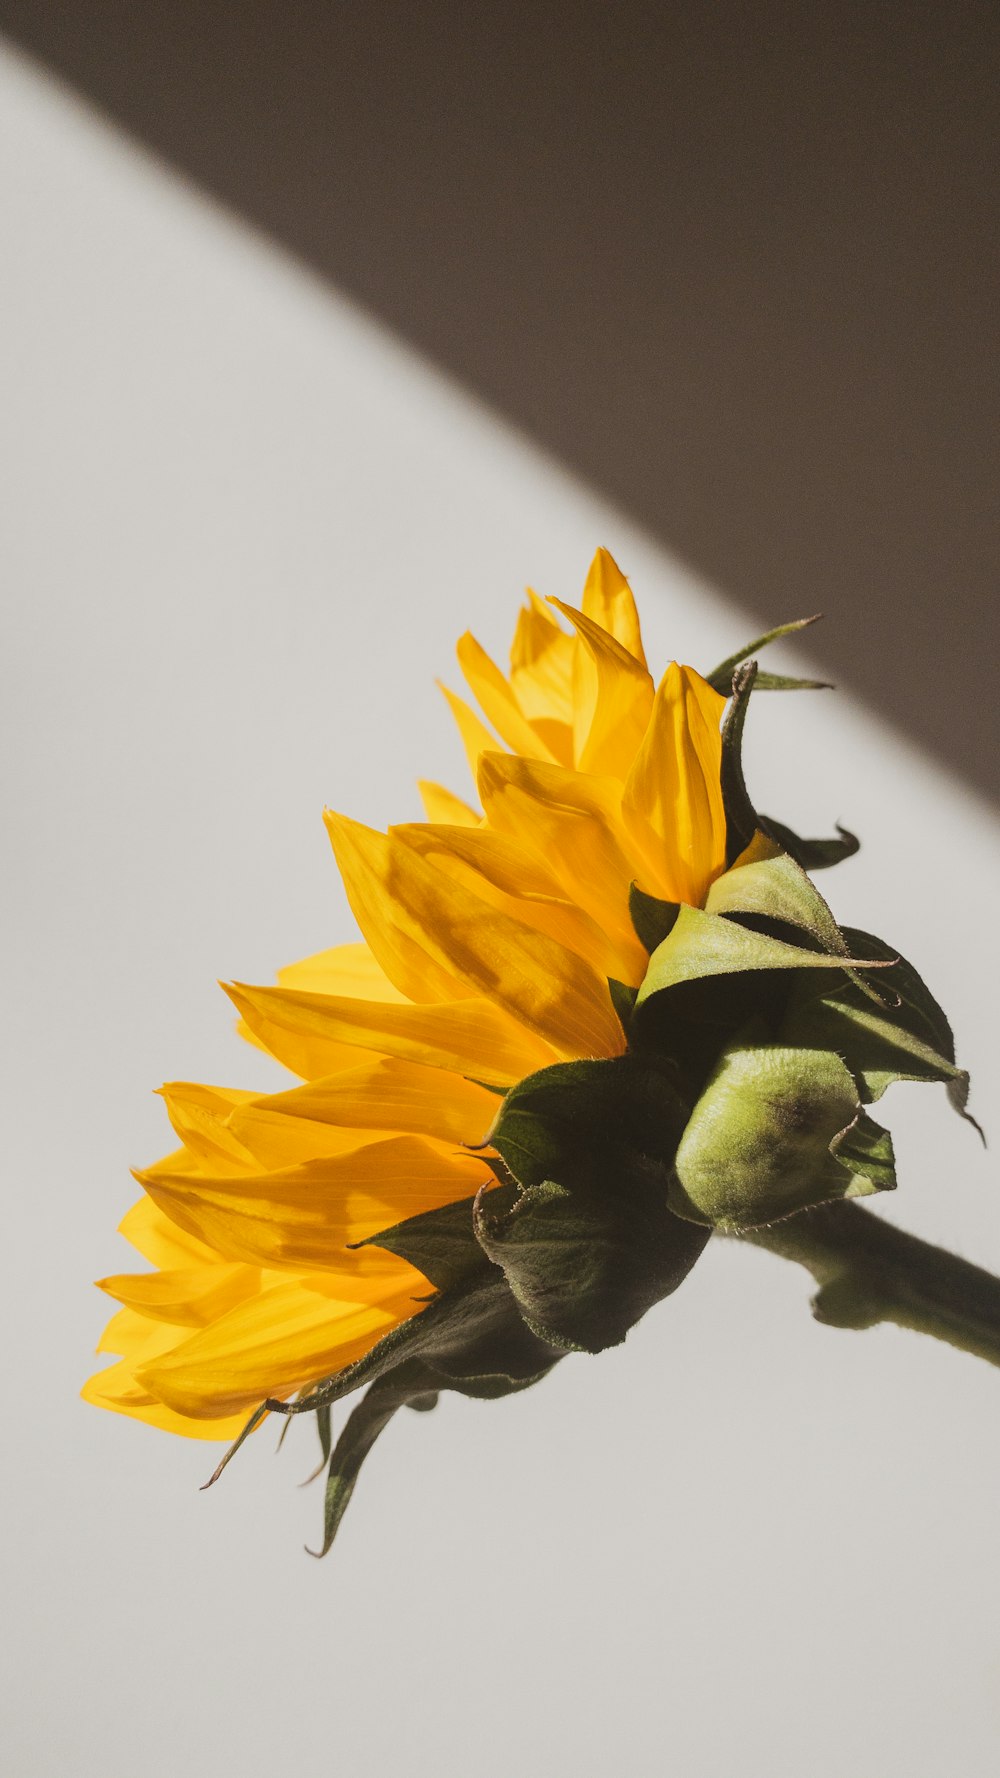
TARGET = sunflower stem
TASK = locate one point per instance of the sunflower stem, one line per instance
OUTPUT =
(869, 1271)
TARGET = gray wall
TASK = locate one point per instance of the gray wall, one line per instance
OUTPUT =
(735, 264)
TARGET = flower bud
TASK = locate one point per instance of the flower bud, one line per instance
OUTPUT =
(776, 1130)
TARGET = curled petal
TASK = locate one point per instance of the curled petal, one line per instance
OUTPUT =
(672, 802)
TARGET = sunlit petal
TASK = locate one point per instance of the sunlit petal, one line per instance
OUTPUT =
(672, 803)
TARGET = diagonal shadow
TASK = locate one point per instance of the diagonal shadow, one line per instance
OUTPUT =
(731, 264)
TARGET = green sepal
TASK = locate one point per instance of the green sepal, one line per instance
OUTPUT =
(324, 1430)
(623, 999)
(741, 816)
(585, 1268)
(812, 854)
(910, 1040)
(767, 1139)
(777, 890)
(721, 678)
(440, 1243)
(469, 1332)
(471, 1339)
(704, 944)
(371, 1416)
(651, 918)
(589, 1244)
(591, 1125)
(412, 1385)
(788, 682)
(866, 1148)
(254, 1420)
(742, 819)
(774, 895)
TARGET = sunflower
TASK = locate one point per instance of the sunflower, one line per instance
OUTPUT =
(556, 987)
(489, 938)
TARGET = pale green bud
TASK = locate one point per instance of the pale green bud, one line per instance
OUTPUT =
(776, 1130)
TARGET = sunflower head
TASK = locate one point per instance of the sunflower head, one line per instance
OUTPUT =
(592, 1015)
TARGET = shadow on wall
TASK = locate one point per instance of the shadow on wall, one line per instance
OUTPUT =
(731, 263)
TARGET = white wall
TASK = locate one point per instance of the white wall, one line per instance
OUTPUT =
(242, 529)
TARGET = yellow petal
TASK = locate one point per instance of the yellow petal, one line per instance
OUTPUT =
(474, 735)
(530, 975)
(470, 1037)
(497, 701)
(185, 1298)
(161, 1241)
(388, 1094)
(518, 883)
(246, 1134)
(291, 1335)
(200, 1116)
(672, 804)
(608, 601)
(344, 969)
(541, 677)
(409, 958)
(306, 1216)
(441, 805)
(115, 1388)
(573, 822)
(134, 1336)
(613, 708)
(273, 1140)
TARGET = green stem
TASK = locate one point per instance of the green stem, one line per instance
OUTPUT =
(868, 1271)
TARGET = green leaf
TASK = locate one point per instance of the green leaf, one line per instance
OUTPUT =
(721, 678)
(812, 854)
(651, 919)
(761, 1143)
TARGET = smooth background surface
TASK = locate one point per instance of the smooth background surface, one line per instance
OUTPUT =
(735, 264)
(242, 530)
